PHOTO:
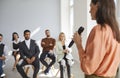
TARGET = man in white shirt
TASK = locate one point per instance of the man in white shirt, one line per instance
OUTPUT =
(29, 52)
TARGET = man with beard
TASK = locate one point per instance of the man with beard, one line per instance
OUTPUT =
(29, 52)
(48, 45)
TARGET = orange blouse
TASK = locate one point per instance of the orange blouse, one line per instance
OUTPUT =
(102, 53)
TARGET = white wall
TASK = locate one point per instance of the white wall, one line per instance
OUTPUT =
(118, 11)
(64, 13)
(35, 15)
(80, 19)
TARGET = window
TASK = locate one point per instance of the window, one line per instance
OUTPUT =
(117, 3)
(71, 15)
(67, 13)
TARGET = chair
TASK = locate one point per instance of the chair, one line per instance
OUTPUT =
(27, 68)
(48, 60)
(72, 76)
(16, 61)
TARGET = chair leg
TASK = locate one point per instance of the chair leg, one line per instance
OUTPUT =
(43, 68)
(57, 72)
(27, 70)
(53, 68)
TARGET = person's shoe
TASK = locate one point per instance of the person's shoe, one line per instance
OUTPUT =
(3, 65)
(46, 72)
(3, 75)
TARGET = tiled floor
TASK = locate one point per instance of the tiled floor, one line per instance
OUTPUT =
(76, 72)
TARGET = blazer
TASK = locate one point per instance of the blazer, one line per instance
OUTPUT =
(29, 53)
(59, 52)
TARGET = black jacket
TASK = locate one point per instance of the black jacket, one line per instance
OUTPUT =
(29, 53)
(1, 49)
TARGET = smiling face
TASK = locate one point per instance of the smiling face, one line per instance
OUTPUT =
(93, 10)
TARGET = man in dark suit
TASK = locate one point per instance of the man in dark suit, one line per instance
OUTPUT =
(29, 53)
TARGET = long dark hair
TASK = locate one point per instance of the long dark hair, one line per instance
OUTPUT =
(106, 14)
(13, 35)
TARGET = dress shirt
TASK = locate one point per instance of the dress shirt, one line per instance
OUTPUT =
(27, 42)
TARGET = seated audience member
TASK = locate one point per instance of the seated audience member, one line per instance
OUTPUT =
(64, 56)
(29, 52)
(15, 47)
(3, 53)
(48, 45)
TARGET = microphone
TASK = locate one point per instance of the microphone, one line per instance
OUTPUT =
(64, 47)
(80, 30)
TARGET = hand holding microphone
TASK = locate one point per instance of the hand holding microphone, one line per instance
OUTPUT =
(80, 30)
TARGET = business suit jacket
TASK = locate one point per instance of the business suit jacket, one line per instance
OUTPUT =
(29, 53)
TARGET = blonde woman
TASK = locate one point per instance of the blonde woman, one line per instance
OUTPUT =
(64, 56)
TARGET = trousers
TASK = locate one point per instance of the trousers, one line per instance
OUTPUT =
(21, 70)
